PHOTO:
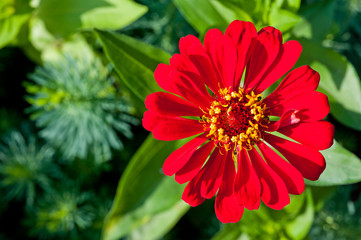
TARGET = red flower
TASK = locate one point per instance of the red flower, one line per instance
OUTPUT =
(215, 93)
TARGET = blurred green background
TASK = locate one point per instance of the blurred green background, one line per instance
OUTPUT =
(75, 162)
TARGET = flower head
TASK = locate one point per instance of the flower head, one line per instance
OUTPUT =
(214, 91)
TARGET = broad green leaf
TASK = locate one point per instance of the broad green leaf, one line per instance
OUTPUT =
(293, 5)
(53, 50)
(219, 13)
(159, 224)
(258, 10)
(230, 231)
(122, 13)
(231, 11)
(134, 61)
(298, 227)
(67, 16)
(268, 224)
(317, 20)
(342, 167)
(282, 19)
(13, 16)
(145, 195)
(339, 80)
(201, 14)
(10, 28)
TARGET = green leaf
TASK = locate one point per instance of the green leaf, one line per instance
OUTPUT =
(159, 224)
(342, 167)
(134, 61)
(339, 80)
(293, 5)
(257, 9)
(317, 20)
(67, 16)
(282, 19)
(231, 11)
(266, 223)
(145, 197)
(298, 227)
(201, 14)
(13, 17)
(230, 231)
(219, 13)
(10, 28)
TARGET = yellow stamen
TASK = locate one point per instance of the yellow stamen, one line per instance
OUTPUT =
(225, 123)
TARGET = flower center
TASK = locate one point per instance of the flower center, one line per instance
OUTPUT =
(234, 119)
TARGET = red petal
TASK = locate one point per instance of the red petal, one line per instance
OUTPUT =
(177, 159)
(317, 135)
(211, 40)
(287, 57)
(308, 161)
(194, 164)
(312, 106)
(161, 76)
(211, 43)
(242, 34)
(274, 191)
(202, 62)
(223, 54)
(273, 31)
(191, 87)
(227, 61)
(186, 84)
(212, 176)
(175, 129)
(150, 120)
(187, 42)
(301, 80)
(265, 50)
(247, 186)
(289, 174)
(182, 63)
(288, 118)
(191, 194)
(191, 47)
(167, 104)
(226, 206)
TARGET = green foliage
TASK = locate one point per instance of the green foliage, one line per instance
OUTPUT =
(340, 217)
(343, 167)
(62, 214)
(134, 62)
(161, 26)
(317, 20)
(155, 205)
(293, 222)
(218, 14)
(13, 16)
(25, 166)
(339, 80)
(201, 21)
(79, 109)
(85, 14)
(8, 120)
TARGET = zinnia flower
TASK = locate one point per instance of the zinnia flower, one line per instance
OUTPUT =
(214, 91)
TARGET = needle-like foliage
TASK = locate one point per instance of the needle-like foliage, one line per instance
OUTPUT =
(25, 166)
(79, 108)
(62, 214)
